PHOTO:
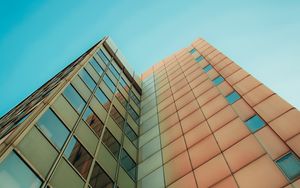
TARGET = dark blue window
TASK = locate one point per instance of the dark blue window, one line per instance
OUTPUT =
(218, 80)
(207, 68)
(102, 98)
(109, 83)
(233, 97)
(130, 134)
(135, 99)
(290, 165)
(128, 164)
(198, 59)
(192, 50)
(255, 123)
(113, 71)
(74, 98)
(87, 79)
(96, 66)
(103, 56)
(133, 114)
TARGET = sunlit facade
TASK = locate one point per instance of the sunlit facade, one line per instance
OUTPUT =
(195, 119)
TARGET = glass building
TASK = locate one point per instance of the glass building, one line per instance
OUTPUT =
(196, 119)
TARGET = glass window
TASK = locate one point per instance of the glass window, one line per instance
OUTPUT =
(121, 98)
(124, 84)
(102, 98)
(192, 51)
(96, 66)
(207, 68)
(130, 134)
(74, 98)
(99, 178)
(103, 56)
(109, 83)
(117, 117)
(111, 143)
(14, 173)
(128, 164)
(53, 128)
(290, 165)
(198, 59)
(78, 156)
(93, 121)
(87, 79)
(133, 114)
(233, 97)
(255, 123)
(218, 80)
(134, 98)
(113, 71)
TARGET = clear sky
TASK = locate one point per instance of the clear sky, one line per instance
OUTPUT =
(38, 38)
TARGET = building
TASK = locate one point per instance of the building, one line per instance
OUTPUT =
(196, 119)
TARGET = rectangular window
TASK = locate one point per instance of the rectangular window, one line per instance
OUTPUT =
(198, 59)
(124, 84)
(117, 117)
(255, 123)
(102, 98)
(87, 79)
(114, 71)
(103, 56)
(111, 143)
(109, 83)
(128, 164)
(93, 121)
(133, 114)
(96, 66)
(131, 134)
(135, 99)
(233, 97)
(74, 98)
(121, 98)
(53, 128)
(290, 165)
(218, 80)
(192, 51)
(207, 68)
(78, 156)
(15, 173)
(99, 178)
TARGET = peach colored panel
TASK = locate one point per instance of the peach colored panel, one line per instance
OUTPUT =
(165, 103)
(243, 110)
(225, 88)
(194, 75)
(168, 122)
(212, 74)
(272, 107)
(187, 181)
(176, 80)
(176, 168)
(198, 81)
(196, 134)
(203, 87)
(261, 173)
(211, 172)
(217, 59)
(179, 85)
(173, 149)
(237, 76)
(182, 92)
(229, 70)
(192, 120)
(228, 182)
(214, 106)
(246, 85)
(257, 95)
(223, 63)
(184, 100)
(208, 95)
(170, 135)
(166, 112)
(294, 143)
(188, 109)
(221, 118)
(163, 96)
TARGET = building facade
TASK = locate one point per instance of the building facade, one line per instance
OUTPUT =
(195, 119)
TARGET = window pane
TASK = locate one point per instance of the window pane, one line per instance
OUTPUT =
(124, 84)
(255, 123)
(130, 134)
(207, 68)
(87, 79)
(128, 164)
(14, 173)
(198, 59)
(111, 143)
(121, 98)
(133, 114)
(233, 97)
(134, 98)
(74, 98)
(114, 71)
(192, 50)
(78, 156)
(53, 128)
(117, 117)
(290, 165)
(109, 83)
(103, 56)
(102, 98)
(100, 179)
(93, 121)
(218, 80)
(96, 66)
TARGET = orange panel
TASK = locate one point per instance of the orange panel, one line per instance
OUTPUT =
(243, 110)
(192, 121)
(246, 85)
(225, 88)
(170, 135)
(208, 95)
(257, 95)
(221, 118)
(203, 87)
(229, 70)
(187, 98)
(199, 80)
(196, 134)
(168, 122)
(214, 106)
(173, 149)
(166, 112)
(237, 76)
(182, 92)
(294, 143)
(188, 109)
(228, 182)
(165, 103)
(186, 181)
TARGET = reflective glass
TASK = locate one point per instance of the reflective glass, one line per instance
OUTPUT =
(121, 98)
(124, 84)
(14, 173)
(111, 143)
(290, 165)
(100, 179)
(114, 71)
(96, 66)
(109, 83)
(218, 80)
(207, 68)
(130, 134)
(198, 59)
(93, 121)
(53, 128)
(102, 98)
(233, 97)
(133, 114)
(192, 50)
(255, 123)
(134, 98)
(78, 156)
(74, 98)
(87, 79)
(117, 117)
(128, 164)
(103, 56)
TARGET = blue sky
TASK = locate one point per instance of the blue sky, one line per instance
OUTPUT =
(38, 38)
